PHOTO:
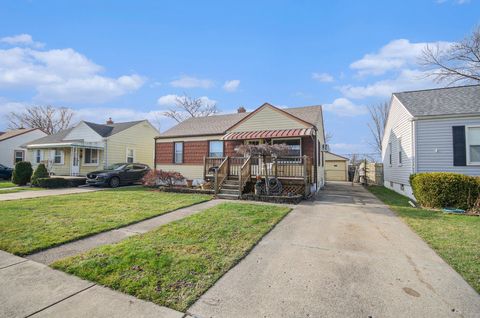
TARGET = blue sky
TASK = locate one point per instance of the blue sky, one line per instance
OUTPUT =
(126, 60)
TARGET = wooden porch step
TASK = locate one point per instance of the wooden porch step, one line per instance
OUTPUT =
(228, 196)
(231, 182)
(230, 186)
(229, 191)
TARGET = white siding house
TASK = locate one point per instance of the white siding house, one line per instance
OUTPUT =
(11, 143)
(431, 130)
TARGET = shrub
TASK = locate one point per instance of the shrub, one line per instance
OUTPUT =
(169, 178)
(151, 179)
(53, 183)
(22, 173)
(445, 189)
(40, 172)
(75, 182)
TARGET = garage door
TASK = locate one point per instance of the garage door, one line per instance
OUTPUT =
(336, 170)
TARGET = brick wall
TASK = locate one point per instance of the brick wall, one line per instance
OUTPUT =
(194, 151)
(308, 148)
(229, 147)
(164, 152)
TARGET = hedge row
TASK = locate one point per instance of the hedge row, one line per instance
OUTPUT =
(55, 183)
(445, 189)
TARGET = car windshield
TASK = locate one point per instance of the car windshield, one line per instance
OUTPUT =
(116, 166)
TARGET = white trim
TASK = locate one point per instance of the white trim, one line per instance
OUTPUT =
(467, 146)
(35, 161)
(399, 152)
(92, 164)
(62, 157)
(127, 156)
(15, 155)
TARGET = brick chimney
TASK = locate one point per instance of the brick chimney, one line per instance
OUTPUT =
(109, 121)
(241, 109)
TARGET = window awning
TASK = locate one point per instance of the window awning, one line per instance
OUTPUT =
(282, 133)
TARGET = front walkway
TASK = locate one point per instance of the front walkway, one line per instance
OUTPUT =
(30, 289)
(44, 193)
(346, 255)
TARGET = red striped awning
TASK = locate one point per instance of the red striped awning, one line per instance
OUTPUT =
(282, 133)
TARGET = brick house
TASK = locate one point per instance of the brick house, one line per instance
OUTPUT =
(196, 145)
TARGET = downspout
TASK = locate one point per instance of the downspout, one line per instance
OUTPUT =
(414, 146)
(315, 154)
(155, 155)
(105, 155)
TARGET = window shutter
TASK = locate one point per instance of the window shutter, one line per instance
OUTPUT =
(459, 148)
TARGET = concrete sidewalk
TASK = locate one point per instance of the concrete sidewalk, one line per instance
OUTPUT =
(30, 289)
(346, 255)
(69, 249)
(44, 193)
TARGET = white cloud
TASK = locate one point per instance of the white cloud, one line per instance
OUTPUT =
(459, 2)
(61, 75)
(395, 55)
(344, 107)
(171, 99)
(191, 82)
(322, 77)
(407, 79)
(21, 39)
(6, 107)
(231, 86)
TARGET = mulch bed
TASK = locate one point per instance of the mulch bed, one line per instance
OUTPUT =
(294, 199)
(185, 190)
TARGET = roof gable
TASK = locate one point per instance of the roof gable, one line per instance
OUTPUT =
(268, 117)
(16, 132)
(83, 131)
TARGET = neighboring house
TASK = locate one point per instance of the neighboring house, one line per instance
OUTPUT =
(336, 167)
(198, 144)
(11, 142)
(431, 130)
(88, 146)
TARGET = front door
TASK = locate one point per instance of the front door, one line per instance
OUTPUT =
(75, 171)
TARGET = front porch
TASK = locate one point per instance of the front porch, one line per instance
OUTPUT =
(236, 176)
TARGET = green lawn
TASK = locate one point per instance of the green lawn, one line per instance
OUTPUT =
(456, 238)
(6, 184)
(176, 263)
(30, 225)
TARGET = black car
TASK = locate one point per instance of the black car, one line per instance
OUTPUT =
(5, 172)
(118, 174)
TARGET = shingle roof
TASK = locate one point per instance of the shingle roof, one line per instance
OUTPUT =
(442, 101)
(218, 124)
(101, 129)
(13, 133)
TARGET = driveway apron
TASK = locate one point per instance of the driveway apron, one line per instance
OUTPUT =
(344, 255)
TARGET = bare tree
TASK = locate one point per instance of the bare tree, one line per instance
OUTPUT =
(186, 107)
(459, 62)
(378, 119)
(48, 118)
(328, 137)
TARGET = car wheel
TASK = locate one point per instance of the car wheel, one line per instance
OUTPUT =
(114, 182)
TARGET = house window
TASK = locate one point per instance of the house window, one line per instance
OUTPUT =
(294, 146)
(178, 155)
(91, 156)
(38, 156)
(215, 148)
(399, 151)
(58, 156)
(473, 145)
(130, 155)
(19, 155)
(390, 159)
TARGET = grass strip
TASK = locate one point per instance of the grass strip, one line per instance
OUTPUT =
(175, 264)
(31, 225)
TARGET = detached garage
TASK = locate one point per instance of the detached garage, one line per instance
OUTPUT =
(336, 167)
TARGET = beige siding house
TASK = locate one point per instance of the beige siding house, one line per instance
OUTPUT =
(88, 147)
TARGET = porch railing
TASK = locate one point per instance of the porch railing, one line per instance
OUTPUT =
(245, 174)
(295, 167)
(221, 174)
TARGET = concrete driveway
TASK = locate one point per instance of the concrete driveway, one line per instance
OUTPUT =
(346, 255)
